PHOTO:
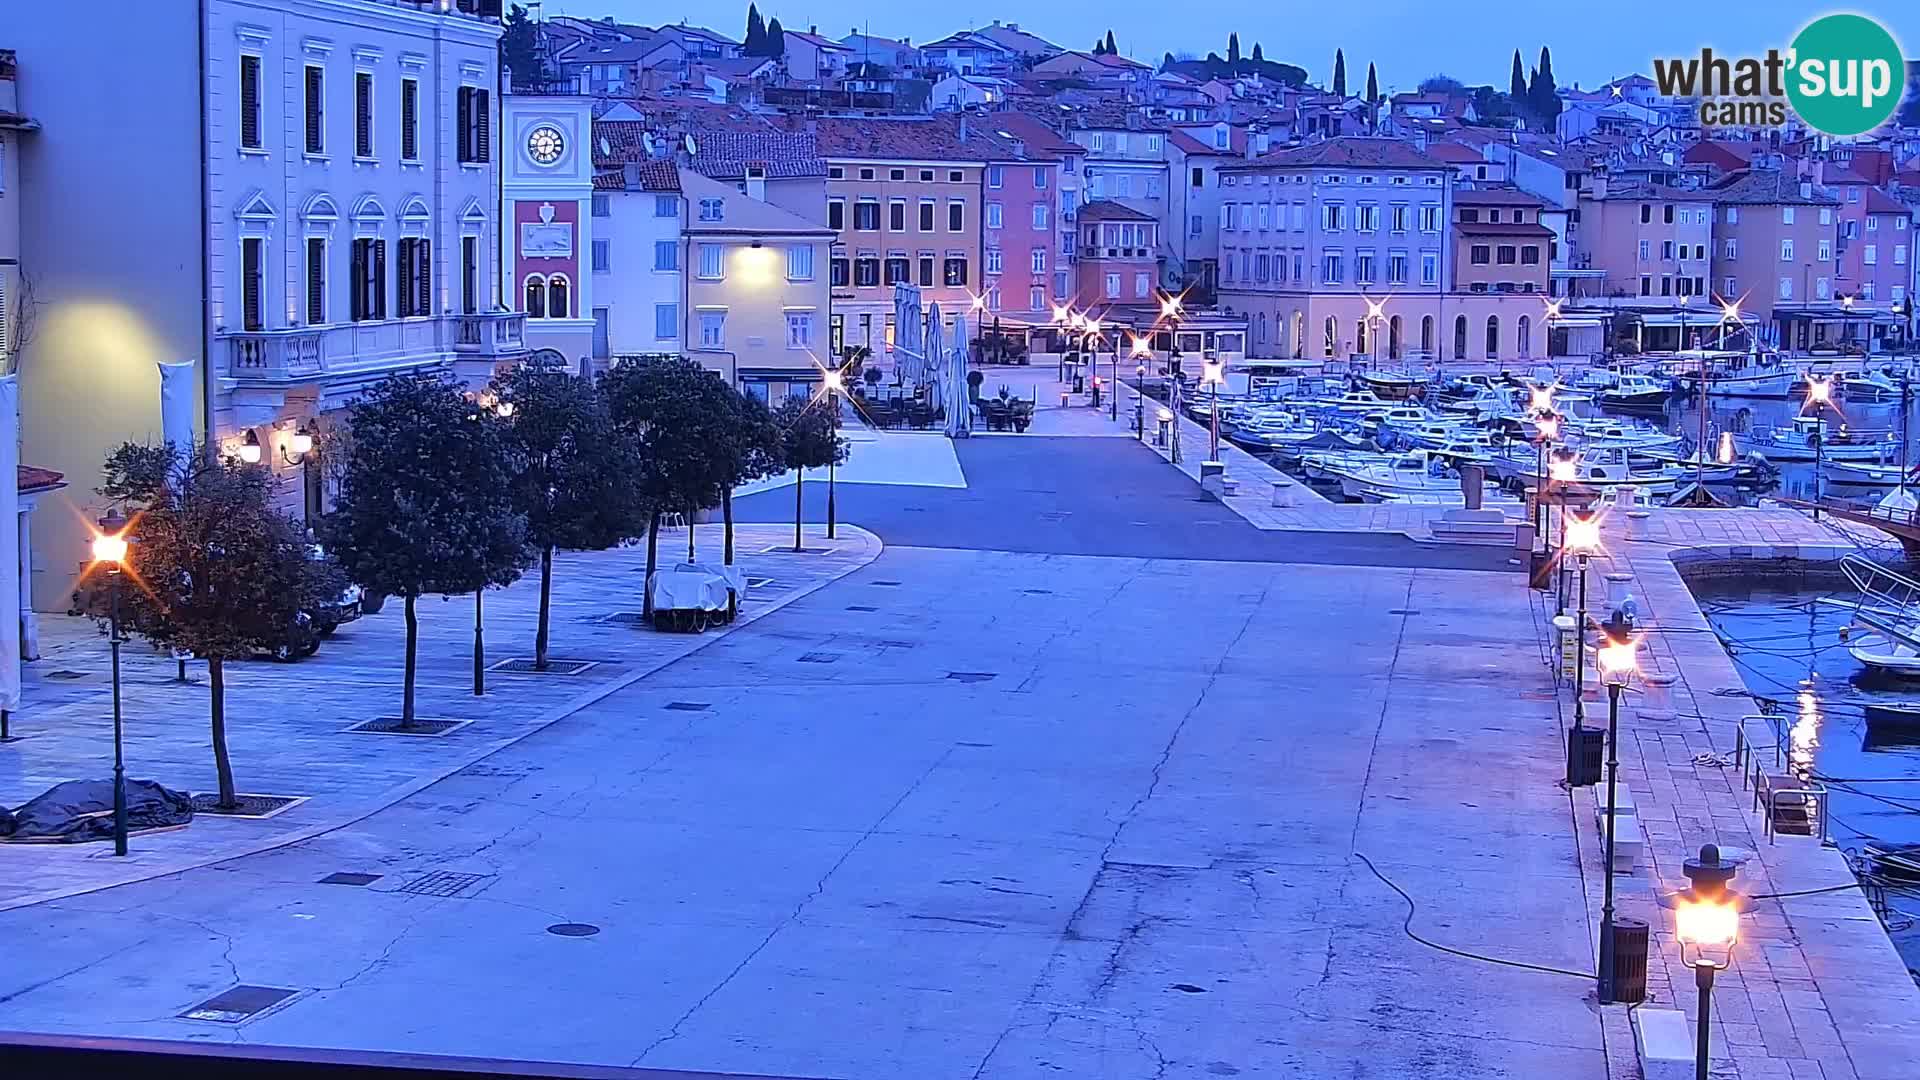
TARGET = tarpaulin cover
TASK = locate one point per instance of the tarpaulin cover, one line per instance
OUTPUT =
(689, 587)
(82, 810)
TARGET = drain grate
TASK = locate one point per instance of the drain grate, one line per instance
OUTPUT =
(347, 877)
(623, 618)
(688, 706)
(573, 929)
(861, 607)
(64, 675)
(888, 584)
(238, 1004)
(443, 883)
(422, 726)
(819, 658)
(1403, 611)
(523, 665)
(970, 676)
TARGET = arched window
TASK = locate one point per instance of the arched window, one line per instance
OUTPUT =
(1393, 338)
(557, 298)
(536, 296)
(1493, 337)
(1460, 337)
(1333, 337)
(1426, 334)
(1260, 329)
(1526, 334)
(1299, 335)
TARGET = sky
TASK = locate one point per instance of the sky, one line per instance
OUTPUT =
(1472, 40)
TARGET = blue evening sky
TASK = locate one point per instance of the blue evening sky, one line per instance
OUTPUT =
(1408, 39)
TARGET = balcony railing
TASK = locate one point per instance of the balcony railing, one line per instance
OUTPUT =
(355, 350)
(496, 333)
(277, 355)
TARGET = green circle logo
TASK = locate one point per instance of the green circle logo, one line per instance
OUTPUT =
(1845, 74)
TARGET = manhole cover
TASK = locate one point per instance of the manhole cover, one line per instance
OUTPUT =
(1403, 611)
(239, 1003)
(64, 675)
(573, 929)
(970, 676)
(345, 877)
(427, 726)
(443, 883)
(688, 706)
(523, 665)
(885, 583)
(861, 607)
(819, 657)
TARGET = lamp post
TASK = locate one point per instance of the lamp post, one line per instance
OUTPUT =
(1548, 429)
(110, 548)
(1580, 535)
(833, 382)
(1213, 372)
(1561, 470)
(1090, 348)
(1819, 397)
(1618, 662)
(1706, 920)
(1142, 352)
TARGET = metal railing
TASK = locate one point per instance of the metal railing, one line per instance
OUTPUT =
(1767, 798)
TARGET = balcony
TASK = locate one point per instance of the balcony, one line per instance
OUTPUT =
(496, 335)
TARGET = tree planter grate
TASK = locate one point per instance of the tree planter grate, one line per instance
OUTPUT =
(523, 665)
(423, 727)
(787, 549)
(448, 883)
(239, 1004)
(819, 658)
(970, 676)
(861, 607)
(348, 877)
(688, 706)
(254, 807)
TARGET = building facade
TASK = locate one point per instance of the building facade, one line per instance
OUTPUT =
(1775, 236)
(637, 255)
(1652, 242)
(546, 180)
(1018, 254)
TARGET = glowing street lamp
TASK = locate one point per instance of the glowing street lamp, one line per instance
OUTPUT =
(1540, 399)
(250, 448)
(1563, 470)
(1170, 307)
(1619, 661)
(1819, 396)
(1548, 427)
(833, 379)
(1580, 535)
(1213, 372)
(1706, 920)
(110, 550)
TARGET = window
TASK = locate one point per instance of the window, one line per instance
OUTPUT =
(1733, 215)
(1039, 261)
(1396, 268)
(1142, 285)
(1363, 267)
(1037, 298)
(866, 174)
(955, 270)
(926, 271)
(253, 286)
(1786, 288)
(995, 176)
(1826, 250)
(1646, 213)
(470, 274)
(898, 271)
(713, 329)
(956, 216)
(1196, 225)
(926, 215)
(799, 329)
(1493, 336)
(1786, 215)
(866, 271)
(897, 174)
(1866, 291)
(1730, 287)
(836, 214)
(1786, 249)
(1480, 255)
(666, 321)
(1526, 335)
(866, 215)
(1646, 250)
(1899, 254)
(416, 280)
(666, 206)
(1667, 213)
(1826, 212)
(712, 262)
(713, 209)
(1733, 249)
(1873, 225)
(1040, 215)
(1332, 268)
(250, 102)
(368, 274)
(1505, 255)
(955, 176)
(1332, 217)
(1397, 218)
(926, 176)
(409, 120)
(1368, 217)
(1226, 217)
(836, 172)
(536, 297)
(316, 281)
(1039, 184)
(602, 257)
(316, 85)
(666, 255)
(839, 272)
(1820, 287)
(1113, 286)
(897, 215)
(1430, 217)
(993, 215)
(363, 114)
(1646, 285)
(1460, 337)
(992, 259)
(601, 206)
(1530, 255)
(800, 262)
(1666, 249)
(1666, 285)
(1429, 268)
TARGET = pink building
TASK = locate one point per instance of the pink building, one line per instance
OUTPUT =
(1018, 250)
(1118, 265)
(1875, 247)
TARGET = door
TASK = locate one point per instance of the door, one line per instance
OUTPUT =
(600, 347)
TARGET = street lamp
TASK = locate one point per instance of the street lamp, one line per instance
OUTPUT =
(110, 549)
(833, 382)
(250, 448)
(1561, 470)
(1819, 397)
(1706, 920)
(1140, 400)
(1618, 663)
(1213, 373)
(1547, 427)
(1581, 536)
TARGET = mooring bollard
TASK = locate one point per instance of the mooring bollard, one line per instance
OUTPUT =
(1637, 524)
(1283, 493)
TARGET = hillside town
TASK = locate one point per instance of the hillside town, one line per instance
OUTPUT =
(554, 546)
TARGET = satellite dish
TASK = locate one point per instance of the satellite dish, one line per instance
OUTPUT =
(646, 142)
(606, 148)
(692, 147)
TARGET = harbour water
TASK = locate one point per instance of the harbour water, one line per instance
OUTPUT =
(1786, 642)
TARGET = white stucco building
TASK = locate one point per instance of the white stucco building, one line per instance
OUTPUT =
(308, 205)
(637, 239)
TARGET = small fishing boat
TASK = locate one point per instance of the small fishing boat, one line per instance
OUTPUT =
(1351, 403)
(1807, 438)
(1869, 386)
(1863, 473)
(1392, 385)
(1415, 473)
(1884, 654)
(1633, 392)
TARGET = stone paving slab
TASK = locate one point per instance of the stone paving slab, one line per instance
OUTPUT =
(287, 722)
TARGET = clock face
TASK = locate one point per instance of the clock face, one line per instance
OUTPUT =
(545, 144)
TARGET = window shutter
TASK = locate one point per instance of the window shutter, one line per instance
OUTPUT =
(250, 283)
(469, 275)
(409, 117)
(357, 275)
(423, 266)
(463, 121)
(250, 101)
(482, 127)
(315, 87)
(316, 281)
(379, 279)
(363, 114)
(404, 293)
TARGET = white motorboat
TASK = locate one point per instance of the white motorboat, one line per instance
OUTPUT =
(1415, 473)
(1351, 403)
(1634, 392)
(1325, 465)
(1884, 654)
(1604, 469)
(1807, 438)
(1493, 401)
(1863, 473)
(1392, 385)
(1593, 381)
(1689, 468)
(1401, 418)
(1606, 432)
(1869, 386)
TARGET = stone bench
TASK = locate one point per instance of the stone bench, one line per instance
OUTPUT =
(1483, 526)
(1622, 800)
(1628, 846)
(1664, 1044)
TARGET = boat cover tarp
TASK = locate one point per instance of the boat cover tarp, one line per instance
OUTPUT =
(81, 810)
(690, 587)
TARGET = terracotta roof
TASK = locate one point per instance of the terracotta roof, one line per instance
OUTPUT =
(662, 176)
(1648, 191)
(1349, 152)
(1879, 202)
(33, 478)
(1844, 176)
(1455, 154)
(933, 138)
(1107, 210)
(1042, 141)
(816, 40)
(725, 154)
(1192, 144)
(1503, 228)
(1495, 196)
(1767, 187)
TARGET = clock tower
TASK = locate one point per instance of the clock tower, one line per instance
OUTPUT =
(546, 176)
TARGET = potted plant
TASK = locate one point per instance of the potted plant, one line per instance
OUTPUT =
(974, 379)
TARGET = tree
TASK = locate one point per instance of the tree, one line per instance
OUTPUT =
(426, 500)
(776, 39)
(751, 450)
(1442, 84)
(1111, 49)
(575, 481)
(1543, 95)
(1233, 48)
(810, 439)
(666, 408)
(1257, 58)
(1340, 72)
(1517, 82)
(1373, 99)
(221, 574)
(1166, 62)
(756, 43)
(520, 48)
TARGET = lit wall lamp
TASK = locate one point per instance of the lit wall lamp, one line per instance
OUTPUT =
(299, 445)
(250, 448)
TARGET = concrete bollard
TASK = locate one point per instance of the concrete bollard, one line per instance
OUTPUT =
(1617, 583)
(1656, 696)
(1637, 524)
(1283, 493)
(1212, 475)
(1626, 497)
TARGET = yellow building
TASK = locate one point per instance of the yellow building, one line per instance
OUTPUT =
(757, 295)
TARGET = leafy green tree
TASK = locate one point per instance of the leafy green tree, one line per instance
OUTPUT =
(756, 43)
(752, 449)
(426, 500)
(1442, 84)
(810, 439)
(576, 481)
(520, 48)
(665, 406)
(220, 573)
(1340, 72)
(1233, 48)
(776, 47)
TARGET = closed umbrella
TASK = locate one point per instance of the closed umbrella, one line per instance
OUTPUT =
(930, 357)
(959, 409)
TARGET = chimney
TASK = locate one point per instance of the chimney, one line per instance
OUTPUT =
(1013, 26)
(1806, 189)
(964, 130)
(1256, 135)
(757, 182)
(630, 175)
(814, 30)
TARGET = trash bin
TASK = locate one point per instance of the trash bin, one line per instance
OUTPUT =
(1473, 484)
(1629, 960)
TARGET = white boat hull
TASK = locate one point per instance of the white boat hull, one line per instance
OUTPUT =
(1881, 653)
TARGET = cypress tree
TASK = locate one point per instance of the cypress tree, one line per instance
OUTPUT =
(1257, 58)
(1233, 48)
(756, 43)
(1340, 72)
(776, 39)
(1111, 50)
(1517, 83)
